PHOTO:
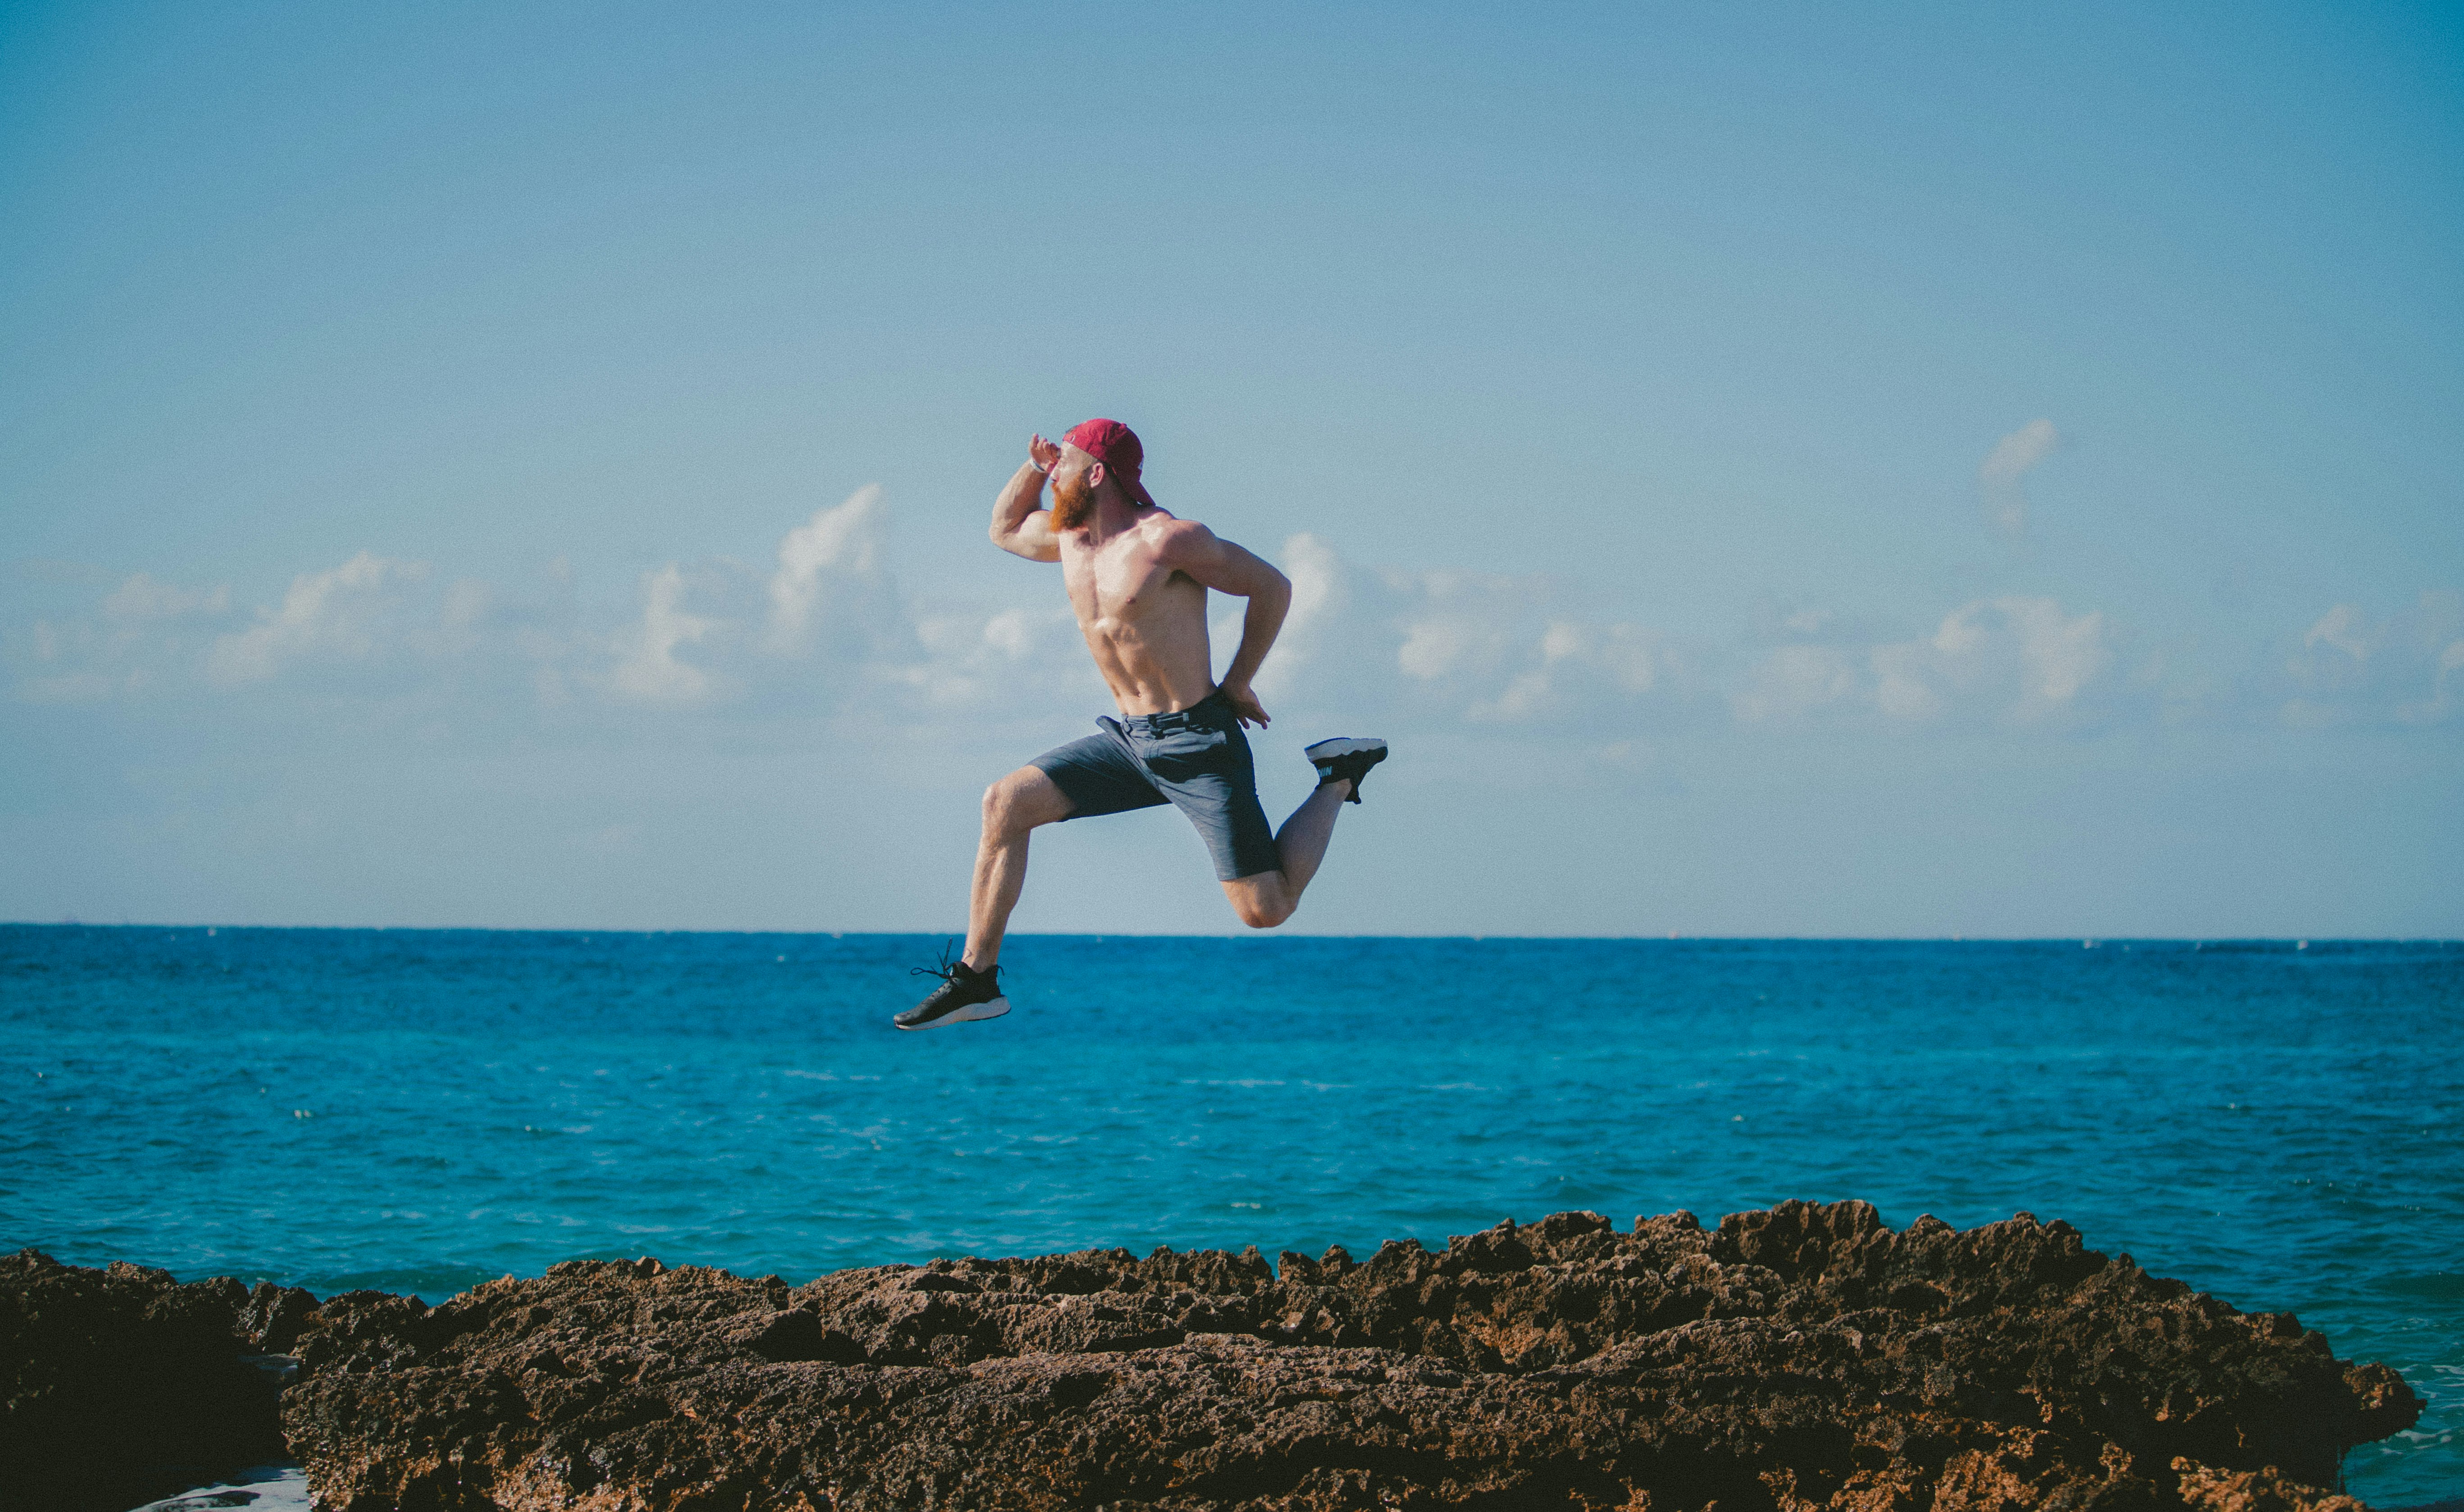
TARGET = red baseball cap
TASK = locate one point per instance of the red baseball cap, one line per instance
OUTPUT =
(1115, 445)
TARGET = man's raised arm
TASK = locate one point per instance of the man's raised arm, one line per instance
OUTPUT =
(1021, 525)
(1227, 568)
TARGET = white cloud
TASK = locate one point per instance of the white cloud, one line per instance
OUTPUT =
(87, 660)
(1463, 628)
(2012, 459)
(1011, 634)
(647, 669)
(145, 597)
(2061, 655)
(330, 614)
(1435, 647)
(2337, 627)
(1582, 667)
(1794, 680)
(1317, 579)
(1902, 687)
(467, 604)
(1320, 594)
(1635, 659)
(2015, 659)
(990, 661)
(1484, 647)
(2408, 668)
(827, 632)
(841, 540)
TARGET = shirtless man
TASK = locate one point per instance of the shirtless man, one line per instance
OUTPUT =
(1137, 578)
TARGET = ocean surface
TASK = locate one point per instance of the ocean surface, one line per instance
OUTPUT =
(2279, 1122)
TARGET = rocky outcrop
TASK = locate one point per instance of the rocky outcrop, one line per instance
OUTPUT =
(1804, 1357)
(122, 1384)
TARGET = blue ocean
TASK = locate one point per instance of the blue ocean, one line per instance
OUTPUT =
(2279, 1122)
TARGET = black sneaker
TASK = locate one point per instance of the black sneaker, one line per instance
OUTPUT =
(965, 995)
(1346, 756)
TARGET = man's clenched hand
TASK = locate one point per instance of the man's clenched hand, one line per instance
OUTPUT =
(1043, 453)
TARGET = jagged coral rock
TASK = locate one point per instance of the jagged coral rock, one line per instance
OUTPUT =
(1804, 1357)
(122, 1384)
(2262, 1490)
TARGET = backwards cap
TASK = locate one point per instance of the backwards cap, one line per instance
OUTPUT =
(1115, 445)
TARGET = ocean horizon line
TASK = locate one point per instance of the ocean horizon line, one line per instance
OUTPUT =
(2075, 938)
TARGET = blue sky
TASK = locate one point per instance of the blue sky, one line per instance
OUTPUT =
(1902, 472)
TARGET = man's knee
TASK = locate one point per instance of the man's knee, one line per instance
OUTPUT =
(1004, 813)
(1261, 908)
(1017, 803)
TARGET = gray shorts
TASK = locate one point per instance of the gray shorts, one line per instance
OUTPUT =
(1197, 761)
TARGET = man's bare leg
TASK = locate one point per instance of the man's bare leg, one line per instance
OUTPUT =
(1013, 808)
(1268, 898)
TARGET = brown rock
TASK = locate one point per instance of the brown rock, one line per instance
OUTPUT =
(122, 1384)
(1800, 1358)
(2261, 1490)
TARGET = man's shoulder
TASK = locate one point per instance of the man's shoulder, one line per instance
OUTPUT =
(1170, 532)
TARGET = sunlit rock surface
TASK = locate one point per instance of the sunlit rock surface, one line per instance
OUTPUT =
(1792, 1359)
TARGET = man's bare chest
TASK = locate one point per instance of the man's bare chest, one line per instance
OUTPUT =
(1123, 587)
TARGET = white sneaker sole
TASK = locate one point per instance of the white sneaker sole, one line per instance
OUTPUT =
(973, 1013)
(1325, 751)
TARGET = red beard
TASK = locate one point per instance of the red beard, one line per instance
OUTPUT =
(1073, 503)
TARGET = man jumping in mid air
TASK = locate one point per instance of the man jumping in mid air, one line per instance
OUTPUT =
(1137, 578)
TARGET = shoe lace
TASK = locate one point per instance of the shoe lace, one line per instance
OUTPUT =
(948, 970)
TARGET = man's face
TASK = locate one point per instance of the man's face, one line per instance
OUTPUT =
(1073, 489)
